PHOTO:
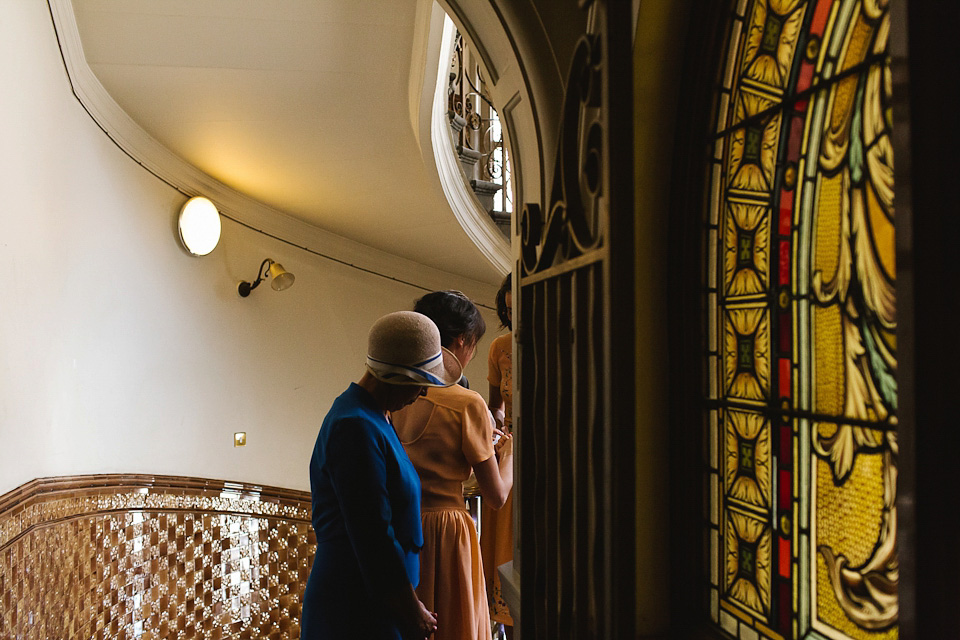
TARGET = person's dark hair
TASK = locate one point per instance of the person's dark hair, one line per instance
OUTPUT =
(454, 314)
(502, 302)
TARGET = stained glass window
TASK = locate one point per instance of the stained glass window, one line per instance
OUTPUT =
(801, 391)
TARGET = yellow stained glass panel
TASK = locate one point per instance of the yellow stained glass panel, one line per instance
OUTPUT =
(829, 387)
(883, 234)
(747, 467)
(830, 207)
(849, 522)
(753, 147)
(745, 258)
(748, 551)
(746, 340)
(771, 41)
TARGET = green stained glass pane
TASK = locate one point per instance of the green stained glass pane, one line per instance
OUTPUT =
(753, 138)
(746, 465)
(745, 347)
(744, 249)
(771, 34)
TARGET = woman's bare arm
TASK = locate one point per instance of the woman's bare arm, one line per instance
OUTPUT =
(496, 406)
(495, 476)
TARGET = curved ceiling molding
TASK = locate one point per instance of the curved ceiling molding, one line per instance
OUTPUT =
(476, 222)
(181, 175)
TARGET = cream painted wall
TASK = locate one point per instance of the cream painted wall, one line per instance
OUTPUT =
(121, 353)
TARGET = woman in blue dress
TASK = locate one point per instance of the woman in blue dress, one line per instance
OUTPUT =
(366, 493)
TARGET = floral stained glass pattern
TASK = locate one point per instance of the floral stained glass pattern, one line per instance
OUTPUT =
(745, 260)
(746, 364)
(748, 550)
(747, 470)
(801, 290)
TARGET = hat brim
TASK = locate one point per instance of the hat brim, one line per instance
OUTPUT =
(447, 371)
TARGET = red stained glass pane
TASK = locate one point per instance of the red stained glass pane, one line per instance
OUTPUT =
(784, 262)
(786, 333)
(786, 611)
(786, 212)
(784, 377)
(803, 81)
(820, 16)
(795, 143)
(786, 448)
(785, 489)
(784, 560)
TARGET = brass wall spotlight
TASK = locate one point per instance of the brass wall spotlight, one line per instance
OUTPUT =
(282, 279)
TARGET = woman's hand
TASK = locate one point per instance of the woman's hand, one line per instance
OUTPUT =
(427, 623)
(415, 621)
(423, 625)
(503, 446)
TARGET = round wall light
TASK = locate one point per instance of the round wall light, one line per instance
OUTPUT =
(199, 226)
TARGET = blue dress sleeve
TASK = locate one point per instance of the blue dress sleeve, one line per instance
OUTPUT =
(358, 471)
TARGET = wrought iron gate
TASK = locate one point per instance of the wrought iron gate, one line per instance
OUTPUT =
(576, 356)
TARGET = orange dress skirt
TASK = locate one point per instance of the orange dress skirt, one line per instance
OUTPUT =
(451, 577)
(445, 433)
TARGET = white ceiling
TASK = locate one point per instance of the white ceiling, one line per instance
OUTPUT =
(302, 105)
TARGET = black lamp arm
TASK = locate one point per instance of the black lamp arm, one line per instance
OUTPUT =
(246, 287)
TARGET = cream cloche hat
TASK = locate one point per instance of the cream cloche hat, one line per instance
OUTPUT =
(404, 348)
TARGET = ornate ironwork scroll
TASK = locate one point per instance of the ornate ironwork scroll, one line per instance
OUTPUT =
(572, 224)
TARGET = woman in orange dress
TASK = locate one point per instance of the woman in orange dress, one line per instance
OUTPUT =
(446, 433)
(496, 528)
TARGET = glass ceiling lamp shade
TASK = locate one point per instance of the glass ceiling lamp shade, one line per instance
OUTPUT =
(199, 226)
(282, 279)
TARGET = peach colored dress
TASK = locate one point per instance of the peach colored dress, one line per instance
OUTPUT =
(445, 433)
(496, 527)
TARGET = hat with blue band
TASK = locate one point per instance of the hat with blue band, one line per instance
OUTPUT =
(404, 349)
